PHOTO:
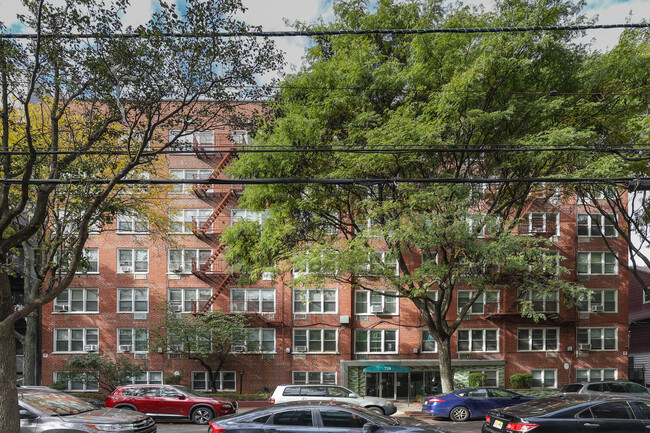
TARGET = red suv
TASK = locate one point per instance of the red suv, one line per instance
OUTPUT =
(170, 402)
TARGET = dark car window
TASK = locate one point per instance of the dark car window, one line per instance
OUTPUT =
(635, 387)
(477, 393)
(598, 387)
(293, 417)
(342, 419)
(291, 391)
(614, 409)
(502, 393)
(337, 391)
(641, 409)
(260, 419)
(131, 391)
(614, 387)
(314, 391)
(575, 387)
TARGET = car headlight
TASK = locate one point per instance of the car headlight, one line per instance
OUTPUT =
(389, 403)
(111, 427)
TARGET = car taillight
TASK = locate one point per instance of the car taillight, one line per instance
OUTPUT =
(215, 428)
(435, 400)
(487, 419)
(271, 401)
(520, 426)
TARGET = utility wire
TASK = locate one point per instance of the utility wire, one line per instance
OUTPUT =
(294, 33)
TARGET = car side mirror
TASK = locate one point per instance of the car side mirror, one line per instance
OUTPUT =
(25, 414)
(354, 395)
(180, 396)
(370, 427)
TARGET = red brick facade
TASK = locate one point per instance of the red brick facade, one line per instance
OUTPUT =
(252, 372)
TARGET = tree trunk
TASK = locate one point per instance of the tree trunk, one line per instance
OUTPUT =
(8, 392)
(446, 371)
(30, 342)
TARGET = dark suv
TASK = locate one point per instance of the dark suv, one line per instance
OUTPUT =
(608, 387)
(45, 410)
(170, 402)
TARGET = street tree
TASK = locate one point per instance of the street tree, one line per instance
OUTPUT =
(80, 104)
(401, 108)
(102, 370)
(206, 338)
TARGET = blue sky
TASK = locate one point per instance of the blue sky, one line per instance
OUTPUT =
(272, 14)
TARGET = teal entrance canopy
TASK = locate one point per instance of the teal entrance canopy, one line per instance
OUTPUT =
(385, 368)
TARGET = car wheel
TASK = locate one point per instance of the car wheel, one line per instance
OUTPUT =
(125, 407)
(459, 413)
(376, 409)
(201, 415)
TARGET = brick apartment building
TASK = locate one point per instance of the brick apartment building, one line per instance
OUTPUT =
(639, 323)
(339, 336)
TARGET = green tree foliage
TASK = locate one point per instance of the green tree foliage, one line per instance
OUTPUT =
(360, 100)
(101, 369)
(205, 338)
(100, 108)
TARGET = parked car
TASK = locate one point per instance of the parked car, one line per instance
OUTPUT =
(572, 413)
(170, 402)
(45, 410)
(611, 387)
(317, 417)
(467, 403)
(293, 393)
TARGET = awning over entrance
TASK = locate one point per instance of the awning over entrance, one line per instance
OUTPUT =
(386, 368)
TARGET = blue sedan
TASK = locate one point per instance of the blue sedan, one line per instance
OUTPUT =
(469, 403)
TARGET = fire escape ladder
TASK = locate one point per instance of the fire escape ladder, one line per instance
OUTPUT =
(218, 288)
(207, 266)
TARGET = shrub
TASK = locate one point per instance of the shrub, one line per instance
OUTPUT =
(477, 379)
(173, 380)
(521, 381)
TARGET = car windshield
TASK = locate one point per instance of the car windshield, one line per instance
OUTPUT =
(56, 403)
(189, 391)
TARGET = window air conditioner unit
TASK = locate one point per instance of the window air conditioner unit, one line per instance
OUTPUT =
(376, 309)
(177, 308)
(300, 349)
(175, 348)
(177, 270)
(596, 308)
(300, 316)
(126, 269)
(142, 356)
(174, 356)
(239, 348)
(124, 348)
(584, 346)
(90, 348)
(60, 308)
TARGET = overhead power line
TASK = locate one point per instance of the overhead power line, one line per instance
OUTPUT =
(309, 33)
(355, 181)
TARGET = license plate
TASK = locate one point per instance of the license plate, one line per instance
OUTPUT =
(497, 424)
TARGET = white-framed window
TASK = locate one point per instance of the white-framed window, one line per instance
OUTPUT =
(255, 340)
(185, 139)
(252, 300)
(226, 381)
(91, 255)
(313, 377)
(646, 297)
(181, 261)
(147, 378)
(317, 263)
(379, 261)
(77, 301)
(187, 174)
(375, 341)
(132, 260)
(428, 344)
(176, 343)
(601, 301)
(492, 376)
(596, 374)
(132, 224)
(181, 221)
(132, 340)
(188, 300)
(544, 378)
(598, 338)
(313, 301)
(487, 302)
(478, 340)
(538, 339)
(89, 382)
(239, 136)
(76, 340)
(597, 225)
(315, 340)
(132, 300)
(248, 215)
(597, 263)
(543, 302)
(540, 222)
(376, 302)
